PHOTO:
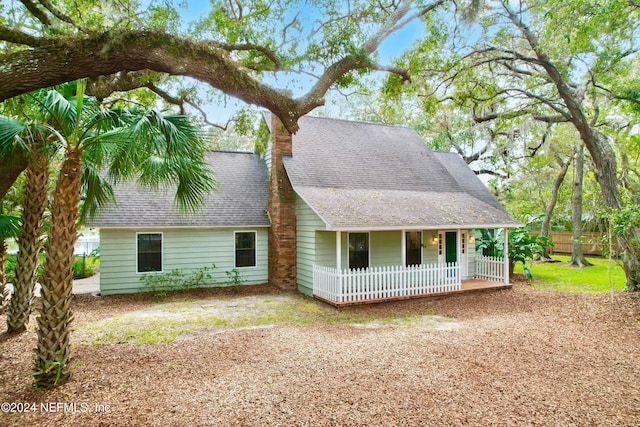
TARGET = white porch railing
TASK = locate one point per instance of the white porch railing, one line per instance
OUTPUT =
(378, 283)
(490, 268)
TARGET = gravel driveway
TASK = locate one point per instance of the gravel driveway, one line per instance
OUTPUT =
(517, 357)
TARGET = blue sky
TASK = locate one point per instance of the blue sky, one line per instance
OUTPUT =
(391, 48)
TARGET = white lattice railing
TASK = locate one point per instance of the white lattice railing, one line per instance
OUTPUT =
(490, 268)
(375, 283)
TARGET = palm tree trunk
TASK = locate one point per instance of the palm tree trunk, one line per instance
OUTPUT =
(29, 242)
(52, 352)
(3, 276)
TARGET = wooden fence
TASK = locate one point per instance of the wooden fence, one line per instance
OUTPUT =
(563, 242)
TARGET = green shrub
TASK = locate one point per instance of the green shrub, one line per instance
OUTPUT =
(234, 277)
(160, 283)
(84, 266)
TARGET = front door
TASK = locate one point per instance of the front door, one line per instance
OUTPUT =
(450, 246)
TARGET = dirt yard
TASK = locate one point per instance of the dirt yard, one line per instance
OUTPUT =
(261, 357)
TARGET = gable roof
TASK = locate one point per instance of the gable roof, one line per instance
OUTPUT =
(358, 175)
(240, 198)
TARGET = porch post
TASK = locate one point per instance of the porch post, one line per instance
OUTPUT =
(338, 251)
(403, 249)
(506, 256)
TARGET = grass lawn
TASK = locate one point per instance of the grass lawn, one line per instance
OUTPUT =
(561, 277)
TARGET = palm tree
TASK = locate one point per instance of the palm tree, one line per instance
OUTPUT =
(28, 138)
(126, 143)
(16, 140)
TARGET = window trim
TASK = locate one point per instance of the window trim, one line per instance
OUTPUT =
(161, 252)
(368, 233)
(255, 248)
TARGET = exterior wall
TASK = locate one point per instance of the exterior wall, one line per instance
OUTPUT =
(183, 248)
(385, 248)
(307, 222)
(430, 248)
(326, 248)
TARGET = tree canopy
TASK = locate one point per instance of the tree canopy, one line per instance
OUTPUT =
(240, 48)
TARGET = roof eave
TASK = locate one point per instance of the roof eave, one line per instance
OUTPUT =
(423, 227)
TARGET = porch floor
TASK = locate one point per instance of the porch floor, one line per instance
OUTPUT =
(467, 285)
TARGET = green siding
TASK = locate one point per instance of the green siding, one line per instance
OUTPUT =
(182, 248)
(385, 248)
(326, 248)
(307, 222)
(430, 249)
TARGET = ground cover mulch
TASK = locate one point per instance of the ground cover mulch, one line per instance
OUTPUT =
(516, 357)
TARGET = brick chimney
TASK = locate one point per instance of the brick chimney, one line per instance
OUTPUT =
(282, 212)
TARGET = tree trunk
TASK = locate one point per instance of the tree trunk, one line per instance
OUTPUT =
(577, 257)
(29, 241)
(3, 276)
(9, 173)
(546, 222)
(52, 352)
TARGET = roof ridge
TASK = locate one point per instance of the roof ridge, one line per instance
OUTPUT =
(229, 152)
(393, 125)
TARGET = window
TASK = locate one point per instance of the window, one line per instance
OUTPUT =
(246, 249)
(358, 250)
(413, 248)
(149, 252)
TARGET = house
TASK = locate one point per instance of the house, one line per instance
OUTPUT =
(350, 211)
(145, 233)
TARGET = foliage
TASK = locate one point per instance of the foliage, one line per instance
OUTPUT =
(523, 245)
(624, 224)
(490, 242)
(43, 369)
(233, 47)
(234, 277)
(84, 266)
(124, 143)
(177, 280)
(9, 226)
(622, 220)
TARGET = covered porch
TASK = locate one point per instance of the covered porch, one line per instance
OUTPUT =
(415, 264)
(379, 284)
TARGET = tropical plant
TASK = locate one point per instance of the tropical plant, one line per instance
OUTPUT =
(126, 143)
(524, 245)
(490, 242)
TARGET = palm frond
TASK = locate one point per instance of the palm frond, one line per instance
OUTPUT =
(9, 226)
(174, 155)
(11, 141)
(96, 190)
(60, 111)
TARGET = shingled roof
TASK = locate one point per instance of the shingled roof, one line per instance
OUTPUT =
(240, 199)
(357, 175)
